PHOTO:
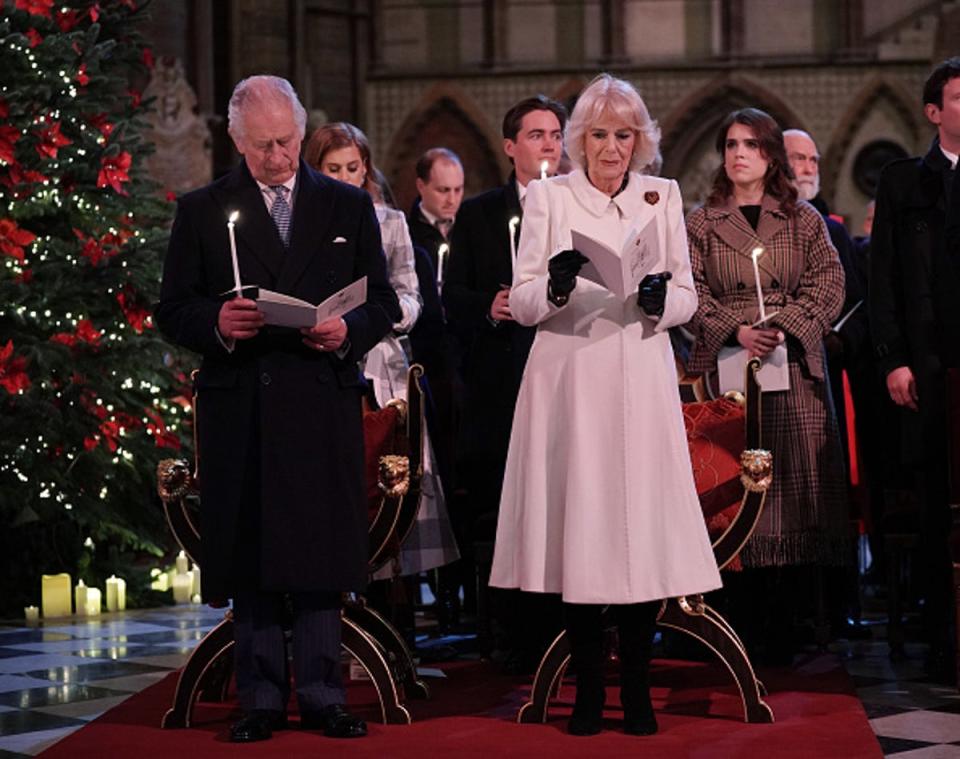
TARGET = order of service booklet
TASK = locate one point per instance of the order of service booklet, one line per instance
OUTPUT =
(619, 272)
(286, 311)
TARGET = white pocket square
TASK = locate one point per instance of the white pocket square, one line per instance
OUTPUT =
(339, 239)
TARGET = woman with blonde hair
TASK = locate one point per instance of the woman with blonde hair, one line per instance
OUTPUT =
(598, 501)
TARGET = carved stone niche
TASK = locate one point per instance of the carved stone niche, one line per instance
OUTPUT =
(184, 156)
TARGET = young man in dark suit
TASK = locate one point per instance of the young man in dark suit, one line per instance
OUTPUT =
(278, 411)
(476, 296)
(915, 321)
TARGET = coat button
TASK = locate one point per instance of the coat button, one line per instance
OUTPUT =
(265, 378)
(741, 286)
(774, 284)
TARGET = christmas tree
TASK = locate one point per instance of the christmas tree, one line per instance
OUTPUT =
(90, 399)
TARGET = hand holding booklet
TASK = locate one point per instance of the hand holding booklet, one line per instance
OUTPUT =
(620, 271)
(286, 311)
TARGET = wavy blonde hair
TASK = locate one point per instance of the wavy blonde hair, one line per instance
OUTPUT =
(616, 97)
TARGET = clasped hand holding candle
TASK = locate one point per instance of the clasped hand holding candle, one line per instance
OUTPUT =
(759, 341)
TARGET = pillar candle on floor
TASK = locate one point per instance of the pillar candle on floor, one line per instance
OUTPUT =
(116, 593)
(93, 602)
(80, 599)
(55, 595)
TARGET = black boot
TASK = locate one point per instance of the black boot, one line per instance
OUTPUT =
(637, 624)
(585, 631)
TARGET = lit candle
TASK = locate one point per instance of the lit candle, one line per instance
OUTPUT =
(196, 582)
(182, 563)
(233, 250)
(31, 614)
(80, 599)
(161, 581)
(755, 255)
(442, 252)
(512, 227)
(93, 602)
(544, 165)
(182, 585)
(55, 595)
(116, 593)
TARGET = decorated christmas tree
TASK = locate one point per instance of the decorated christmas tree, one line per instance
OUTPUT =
(90, 398)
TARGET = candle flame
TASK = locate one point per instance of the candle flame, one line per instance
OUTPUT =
(756, 253)
(544, 165)
(233, 217)
(514, 220)
(442, 250)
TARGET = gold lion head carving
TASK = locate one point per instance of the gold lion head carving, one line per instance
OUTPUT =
(394, 476)
(756, 469)
(174, 480)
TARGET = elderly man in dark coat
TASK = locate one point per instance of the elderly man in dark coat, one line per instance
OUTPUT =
(278, 411)
(915, 321)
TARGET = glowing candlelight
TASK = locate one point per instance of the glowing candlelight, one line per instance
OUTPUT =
(231, 221)
(755, 254)
(512, 227)
(55, 595)
(544, 165)
(442, 253)
(116, 593)
(31, 614)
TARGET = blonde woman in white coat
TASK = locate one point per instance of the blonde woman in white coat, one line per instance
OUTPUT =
(599, 502)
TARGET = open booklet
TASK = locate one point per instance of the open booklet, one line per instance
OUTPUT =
(286, 311)
(774, 374)
(620, 272)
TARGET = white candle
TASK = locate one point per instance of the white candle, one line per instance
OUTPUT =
(512, 227)
(233, 250)
(55, 595)
(31, 614)
(116, 593)
(195, 590)
(757, 252)
(544, 165)
(93, 602)
(182, 563)
(182, 584)
(442, 252)
(161, 581)
(80, 599)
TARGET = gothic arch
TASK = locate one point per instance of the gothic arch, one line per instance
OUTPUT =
(699, 115)
(445, 116)
(876, 90)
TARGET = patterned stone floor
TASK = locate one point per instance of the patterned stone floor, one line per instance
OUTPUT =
(56, 678)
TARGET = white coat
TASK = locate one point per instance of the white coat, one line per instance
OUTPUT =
(598, 501)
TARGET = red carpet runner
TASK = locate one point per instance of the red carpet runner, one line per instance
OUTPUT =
(471, 714)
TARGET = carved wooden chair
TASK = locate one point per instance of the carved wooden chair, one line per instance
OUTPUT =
(732, 497)
(394, 468)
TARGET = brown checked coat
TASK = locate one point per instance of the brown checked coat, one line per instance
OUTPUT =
(805, 515)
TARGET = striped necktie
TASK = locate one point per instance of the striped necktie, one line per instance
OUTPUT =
(280, 212)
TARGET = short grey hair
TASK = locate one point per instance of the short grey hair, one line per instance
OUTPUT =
(608, 95)
(260, 89)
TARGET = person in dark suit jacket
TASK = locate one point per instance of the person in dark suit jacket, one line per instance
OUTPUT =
(915, 321)
(493, 347)
(278, 410)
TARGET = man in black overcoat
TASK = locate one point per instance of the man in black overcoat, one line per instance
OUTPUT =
(494, 348)
(915, 320)
(283, 511)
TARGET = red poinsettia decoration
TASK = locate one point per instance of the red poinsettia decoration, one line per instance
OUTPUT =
(113, 171)
(148, 60)
(99, 121)
(95, 12)
(82, 79)
(67, 19)
(85, 333)
(8, 139)
(13, 238)
(136, 314)
(13, 375)
(51, 140)
(35, 7)
(34, 36)
(25, 277)
(4, 109)
(135, 97)
(162, 437)
(100, 249)
(19, 180)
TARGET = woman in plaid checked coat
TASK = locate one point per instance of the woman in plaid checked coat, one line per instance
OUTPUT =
(753, 204)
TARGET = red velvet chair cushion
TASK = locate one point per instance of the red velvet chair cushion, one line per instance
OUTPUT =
(716, 435)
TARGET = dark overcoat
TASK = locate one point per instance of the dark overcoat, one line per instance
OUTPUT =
(915, 290)
(279, 424)
(493, 353)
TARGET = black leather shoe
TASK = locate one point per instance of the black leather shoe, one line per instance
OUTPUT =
(257, 725)
(335, 721)
(585, 725)
(640, 723)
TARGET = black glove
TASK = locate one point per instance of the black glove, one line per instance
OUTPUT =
(563, 269)
(653, 292)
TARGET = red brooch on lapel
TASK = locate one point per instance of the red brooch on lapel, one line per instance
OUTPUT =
(652, 197)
